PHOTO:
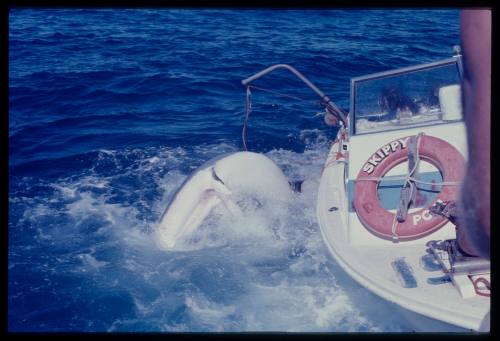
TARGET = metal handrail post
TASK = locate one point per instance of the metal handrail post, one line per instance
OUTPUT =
(332, 107)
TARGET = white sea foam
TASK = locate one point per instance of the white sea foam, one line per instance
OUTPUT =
(265, 270)
(91, 262)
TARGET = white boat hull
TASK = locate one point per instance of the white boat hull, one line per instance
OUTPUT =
(368, 259)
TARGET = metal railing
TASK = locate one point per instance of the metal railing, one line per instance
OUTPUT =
(326, 101)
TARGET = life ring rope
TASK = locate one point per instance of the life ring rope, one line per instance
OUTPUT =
(394, 227)
(409, 179)
(409, 176)
(409, 183)
(443, 183)
(404, 225)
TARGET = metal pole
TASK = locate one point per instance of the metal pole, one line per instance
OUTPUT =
(328, 102)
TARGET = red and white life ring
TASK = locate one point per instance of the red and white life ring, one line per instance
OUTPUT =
(377, 219)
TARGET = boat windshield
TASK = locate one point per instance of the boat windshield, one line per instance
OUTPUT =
(421, 95)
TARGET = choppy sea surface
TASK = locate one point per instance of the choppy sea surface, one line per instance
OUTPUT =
(111, 109)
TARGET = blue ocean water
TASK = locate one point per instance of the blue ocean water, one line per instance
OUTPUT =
(111, 109)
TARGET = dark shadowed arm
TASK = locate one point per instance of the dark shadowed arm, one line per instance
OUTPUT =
(475, 200)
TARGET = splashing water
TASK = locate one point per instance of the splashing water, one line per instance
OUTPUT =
(268, 271)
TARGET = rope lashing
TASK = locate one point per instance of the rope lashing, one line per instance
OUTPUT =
(442, 183)
(248, 107)
(409, 187)
(282, 94)
(330, 107)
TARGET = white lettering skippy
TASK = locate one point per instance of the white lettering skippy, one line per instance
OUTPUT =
(382, 153)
